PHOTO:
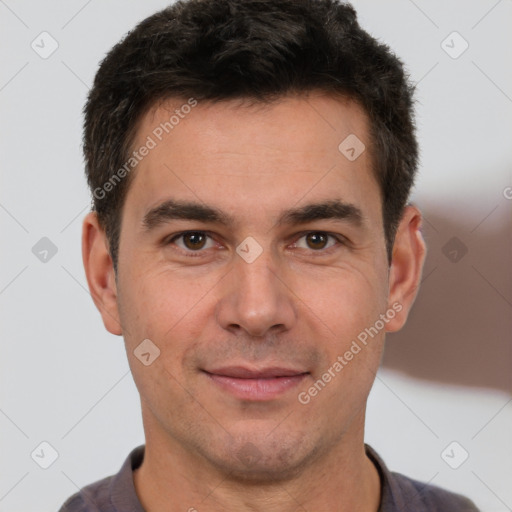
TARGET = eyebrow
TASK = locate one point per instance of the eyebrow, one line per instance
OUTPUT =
(171, 209)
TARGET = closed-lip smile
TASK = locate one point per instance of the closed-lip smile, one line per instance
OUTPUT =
(256, 384)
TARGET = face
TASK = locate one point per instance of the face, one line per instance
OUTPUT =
(252, 255)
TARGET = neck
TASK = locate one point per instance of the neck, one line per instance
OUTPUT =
(172, 478)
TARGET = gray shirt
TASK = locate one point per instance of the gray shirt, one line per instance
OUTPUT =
(399, 493)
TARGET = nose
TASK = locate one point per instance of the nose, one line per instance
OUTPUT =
(256, 298)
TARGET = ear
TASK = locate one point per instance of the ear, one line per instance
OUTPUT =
(100, 272)
(409, 252)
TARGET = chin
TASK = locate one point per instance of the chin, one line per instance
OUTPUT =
(263, 459)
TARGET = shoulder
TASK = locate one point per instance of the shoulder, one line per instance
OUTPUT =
(111, 494)
(401, 493)
(430, 498)
(94, 497)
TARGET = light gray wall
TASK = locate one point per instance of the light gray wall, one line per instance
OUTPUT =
(446, 376)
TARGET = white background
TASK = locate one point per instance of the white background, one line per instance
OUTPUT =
(446, 377)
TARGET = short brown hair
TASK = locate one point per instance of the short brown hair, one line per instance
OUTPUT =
(256, 49)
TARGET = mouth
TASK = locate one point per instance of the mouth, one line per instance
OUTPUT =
(256, 384)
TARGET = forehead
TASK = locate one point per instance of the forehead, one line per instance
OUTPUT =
(264, 153)
(316, 121)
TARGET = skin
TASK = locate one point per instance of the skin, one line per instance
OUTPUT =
(300, 304)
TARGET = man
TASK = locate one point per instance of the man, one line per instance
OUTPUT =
(250, 239)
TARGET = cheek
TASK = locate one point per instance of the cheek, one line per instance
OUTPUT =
(352, 359)
(345, 302)
(173, 311)
(162, 305)
(169, 312)
(347, 310)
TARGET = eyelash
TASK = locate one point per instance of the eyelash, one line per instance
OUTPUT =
(194, 254)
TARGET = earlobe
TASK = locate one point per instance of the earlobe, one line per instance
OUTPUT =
(100, 272)
(409, 252)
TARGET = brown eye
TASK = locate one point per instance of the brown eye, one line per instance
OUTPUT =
(194, 240)
(317, 240)
(192, 243)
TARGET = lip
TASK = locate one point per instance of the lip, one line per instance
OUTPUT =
(256, 384)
